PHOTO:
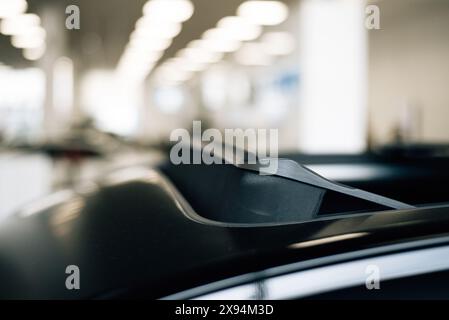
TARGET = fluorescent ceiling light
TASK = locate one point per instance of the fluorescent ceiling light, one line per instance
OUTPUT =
(34, 53)
(129, 63)
(186, 64)
(26, 42)
(173, 64)
(278, 43)
(33, 38)
(34, 32)
(200, 55)
(140, 56)
(153, 34)
(148, 45)
(169, 10)
(193, 66)
(268, 13)
(135, 72)
(19, 24)
(238, 28)
(9, 8)
(137, 68)
(252, 54)
(147, 27)
(163, 33)
(217, 34)
(169, 73)
(196, 44)
(222, 46)
(170, 69)
(219, 40)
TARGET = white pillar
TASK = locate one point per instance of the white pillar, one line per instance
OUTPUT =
(333, 64)
(54, 23)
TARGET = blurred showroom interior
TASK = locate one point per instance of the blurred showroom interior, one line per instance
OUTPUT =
(81, 98)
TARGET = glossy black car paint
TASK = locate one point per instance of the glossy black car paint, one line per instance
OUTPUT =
(131, 237)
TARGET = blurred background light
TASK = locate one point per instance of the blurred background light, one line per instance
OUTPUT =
(169, 10)
(213, 94)
(153, 34)
(170, 72)
(35, 53)
(34, 37)
(27, 41)
(267, 13)
(154, 44)
(169, 99)
(149, 28)
(278, 43)
(109, 100)
(200, 54)
(19, 24)
(63, 85)
(187, 65)
(239, 29)
(220, 40)
(10, 8)
(253, 54)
